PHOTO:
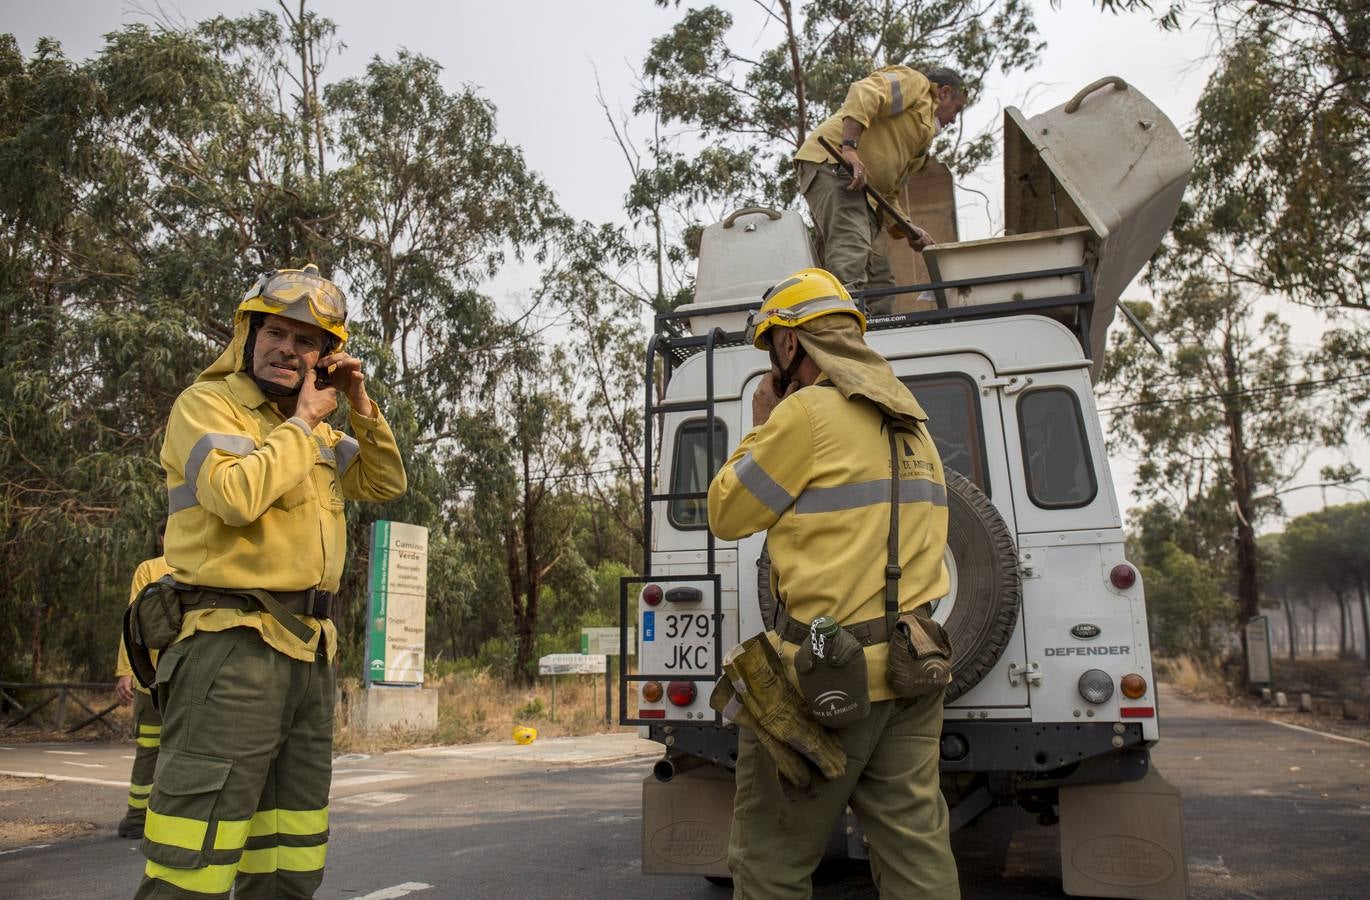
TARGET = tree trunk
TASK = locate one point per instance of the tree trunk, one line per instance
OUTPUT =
(1364, 620)
(1314, 611)
(1248, 592)
(1292, 627)
(1343, 614)
(36, 647)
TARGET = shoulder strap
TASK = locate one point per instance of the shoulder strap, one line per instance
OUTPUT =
(892, 569)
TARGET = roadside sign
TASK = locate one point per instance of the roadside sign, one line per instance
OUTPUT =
(1258, 665)
(572, 664)
(605, 641)
(397, 603)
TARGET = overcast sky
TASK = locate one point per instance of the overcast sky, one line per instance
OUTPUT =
(536, 60)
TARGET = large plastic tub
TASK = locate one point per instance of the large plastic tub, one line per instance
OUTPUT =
(740, 258)
(1041, 250)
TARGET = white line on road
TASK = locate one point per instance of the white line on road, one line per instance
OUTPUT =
(394, 893)
(77, 779)
(67, 762)
(22, 849)
(369, 779)
(375, 798)
(1335, 737)
(66, 752)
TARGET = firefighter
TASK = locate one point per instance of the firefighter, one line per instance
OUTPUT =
(883, 130)
(256, 541)
(147, 721)
(815, 470)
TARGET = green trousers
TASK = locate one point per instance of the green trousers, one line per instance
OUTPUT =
(240, 799)
(891, 783)
(850, 232)
(147, 727)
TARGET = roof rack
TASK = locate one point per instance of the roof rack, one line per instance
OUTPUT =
(675, 344)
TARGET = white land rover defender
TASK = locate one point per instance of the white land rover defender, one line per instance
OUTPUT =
(1053, 701)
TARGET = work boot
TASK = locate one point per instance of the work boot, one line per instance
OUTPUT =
(130, 829)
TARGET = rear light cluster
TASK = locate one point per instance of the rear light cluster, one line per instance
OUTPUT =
(680, 693)
(652, 594)
(1122, 576)
(1096, 686)
(1134, 686)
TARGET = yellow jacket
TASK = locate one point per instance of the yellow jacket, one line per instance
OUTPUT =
(895, 106)
(148, 571)
(816, 474)
(256, 500)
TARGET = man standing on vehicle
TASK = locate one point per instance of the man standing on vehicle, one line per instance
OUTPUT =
(816, 471)
(256, 543)
(147, 721)
(883, 130)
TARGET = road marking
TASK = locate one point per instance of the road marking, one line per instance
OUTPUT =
(394, 893)
(369, 779)
(66, 752)
(67, 762)
(77, 779)
(375, 798)
(1210, 866)
(22, 849)
(1335, 737)
(128, 757)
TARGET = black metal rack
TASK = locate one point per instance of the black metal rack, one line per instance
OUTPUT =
(673, 344)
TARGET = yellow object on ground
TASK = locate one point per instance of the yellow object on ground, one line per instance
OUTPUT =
(525, 734)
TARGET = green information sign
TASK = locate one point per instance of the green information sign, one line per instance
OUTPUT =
(396, 609)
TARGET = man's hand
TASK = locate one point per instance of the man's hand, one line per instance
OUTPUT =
(858, 168)
(345, 374)
(314, 404)
(920, 239)
(123, 689)
(768, 396)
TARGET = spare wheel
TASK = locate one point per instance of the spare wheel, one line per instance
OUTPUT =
(981, 607)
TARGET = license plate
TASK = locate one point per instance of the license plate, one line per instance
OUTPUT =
(682, 643)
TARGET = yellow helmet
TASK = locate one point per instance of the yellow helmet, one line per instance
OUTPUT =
(806, 295)
(525, 734)
(300, 294)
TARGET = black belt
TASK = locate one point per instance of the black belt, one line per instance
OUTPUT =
(283, 606)
(871, 631)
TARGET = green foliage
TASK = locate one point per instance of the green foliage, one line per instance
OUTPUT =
(1187, 607)
(147, 186)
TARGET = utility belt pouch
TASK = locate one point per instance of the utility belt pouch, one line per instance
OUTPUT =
(832, 678)
(919, 657)
(151, 622)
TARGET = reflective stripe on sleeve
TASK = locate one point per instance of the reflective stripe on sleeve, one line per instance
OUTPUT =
(183, 496)
(762, 486)
(896, 93)
(327, 454)
(347, 450)
(868, 493)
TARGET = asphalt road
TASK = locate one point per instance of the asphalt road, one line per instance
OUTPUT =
(1270, 812)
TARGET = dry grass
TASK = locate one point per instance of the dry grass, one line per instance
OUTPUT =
(474, 707)
(1194, 676)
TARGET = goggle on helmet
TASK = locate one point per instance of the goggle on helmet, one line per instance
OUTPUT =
(806, 295)
(300, 294)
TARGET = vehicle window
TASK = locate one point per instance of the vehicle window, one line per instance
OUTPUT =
(1059, 471)
(689, 471)
(953, 409)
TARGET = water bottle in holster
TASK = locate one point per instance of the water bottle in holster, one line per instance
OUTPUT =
(832, 674)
